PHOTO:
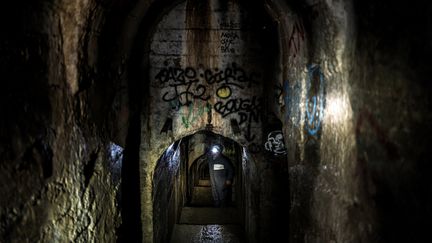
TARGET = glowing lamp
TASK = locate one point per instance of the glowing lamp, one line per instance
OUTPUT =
(215, 149)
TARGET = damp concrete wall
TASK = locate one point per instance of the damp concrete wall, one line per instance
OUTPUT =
(59, 175)
(207, 64)
(391, 104)
(353, 108)
(169, 190)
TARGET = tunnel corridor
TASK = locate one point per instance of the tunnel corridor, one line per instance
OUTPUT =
(110, 110)
(182, 184)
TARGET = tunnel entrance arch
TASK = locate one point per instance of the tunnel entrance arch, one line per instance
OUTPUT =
(199, 181)
(177, 174)
(203, 172)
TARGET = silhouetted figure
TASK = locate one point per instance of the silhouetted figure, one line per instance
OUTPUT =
(221, 176)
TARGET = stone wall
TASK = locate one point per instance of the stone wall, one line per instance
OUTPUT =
(169, 187)
(355, 173)
(56, 169)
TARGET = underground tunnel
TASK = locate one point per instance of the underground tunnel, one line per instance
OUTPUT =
(319, 112)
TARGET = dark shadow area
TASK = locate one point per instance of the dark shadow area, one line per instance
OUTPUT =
(130, 229)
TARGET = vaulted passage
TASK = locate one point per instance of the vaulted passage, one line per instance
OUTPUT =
(186, 183)
(215, 121)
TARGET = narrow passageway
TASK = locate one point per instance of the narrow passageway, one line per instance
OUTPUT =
(194, 215)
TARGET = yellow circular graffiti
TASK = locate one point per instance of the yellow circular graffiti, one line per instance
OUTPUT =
(224, 92)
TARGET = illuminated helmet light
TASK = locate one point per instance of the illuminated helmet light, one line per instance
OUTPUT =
(216, 149)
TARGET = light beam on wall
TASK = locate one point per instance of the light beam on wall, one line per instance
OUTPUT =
(337, 109)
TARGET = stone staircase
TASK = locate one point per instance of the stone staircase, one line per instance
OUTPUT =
(206, 224)
(201, 222)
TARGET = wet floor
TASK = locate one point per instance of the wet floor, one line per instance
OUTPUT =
(212, 233)
(209, 225)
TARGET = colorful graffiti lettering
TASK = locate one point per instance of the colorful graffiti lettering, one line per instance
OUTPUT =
(224, 92)
(275, 143)
(315, 99)
(191, 115)
(187, 88)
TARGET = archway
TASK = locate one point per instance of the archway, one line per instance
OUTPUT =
(178, 199)
(199, 181)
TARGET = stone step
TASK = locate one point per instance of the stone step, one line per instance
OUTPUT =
(202, 196)
(209, 215)
(204, 183)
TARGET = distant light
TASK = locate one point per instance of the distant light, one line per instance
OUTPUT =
(215, 149)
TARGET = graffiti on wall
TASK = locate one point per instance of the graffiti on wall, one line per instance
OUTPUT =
(233, 75)
(224, 92)
(296, 38)
(184, 85)
(227, 39)
(275, 143)
(194, 112)
(247, 110)
(187, 87)
(315, 99)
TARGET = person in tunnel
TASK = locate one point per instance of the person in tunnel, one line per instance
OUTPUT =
(221, 176)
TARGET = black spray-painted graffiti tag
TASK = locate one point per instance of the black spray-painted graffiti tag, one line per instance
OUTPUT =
(185, 87)
(188, 84)
(228, 38)
(247, 110)
(234, 75)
